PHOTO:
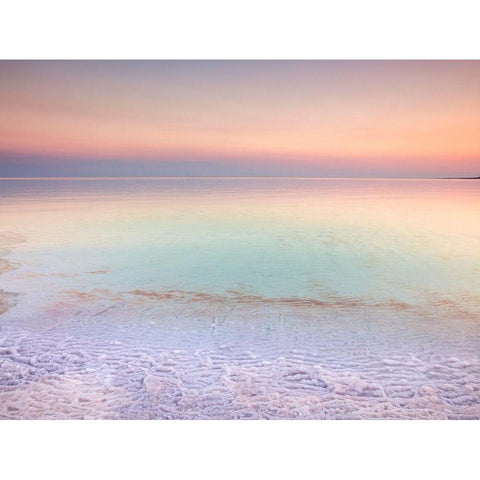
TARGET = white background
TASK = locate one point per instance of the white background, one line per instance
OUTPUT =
(243, 29)
(241, 449)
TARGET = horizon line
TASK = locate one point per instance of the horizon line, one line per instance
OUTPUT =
(236, 177)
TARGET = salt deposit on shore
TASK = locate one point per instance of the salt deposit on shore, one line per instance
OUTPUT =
(138, 357)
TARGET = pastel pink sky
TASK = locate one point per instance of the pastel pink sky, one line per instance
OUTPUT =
(346, 118)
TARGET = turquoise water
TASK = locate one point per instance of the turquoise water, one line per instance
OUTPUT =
(311, 238)
(332, 258)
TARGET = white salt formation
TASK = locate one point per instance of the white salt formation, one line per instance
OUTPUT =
(142, 358)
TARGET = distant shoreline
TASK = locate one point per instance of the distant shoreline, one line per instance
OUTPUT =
(460, 178)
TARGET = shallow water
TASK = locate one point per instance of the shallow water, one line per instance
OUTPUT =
(240, 298)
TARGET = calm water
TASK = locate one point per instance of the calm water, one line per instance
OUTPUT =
(213, 298)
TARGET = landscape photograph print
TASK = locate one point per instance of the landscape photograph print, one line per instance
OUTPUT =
(240, 239)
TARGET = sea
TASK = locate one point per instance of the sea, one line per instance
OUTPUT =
(239, 298)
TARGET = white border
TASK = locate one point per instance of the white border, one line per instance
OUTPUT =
(238, 449)
(266, 29)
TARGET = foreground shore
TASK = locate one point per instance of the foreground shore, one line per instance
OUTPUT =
(97, 355)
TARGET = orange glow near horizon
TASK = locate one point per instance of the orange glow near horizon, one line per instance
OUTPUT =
(392, 116)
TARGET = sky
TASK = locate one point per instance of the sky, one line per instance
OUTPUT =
(402, 119)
